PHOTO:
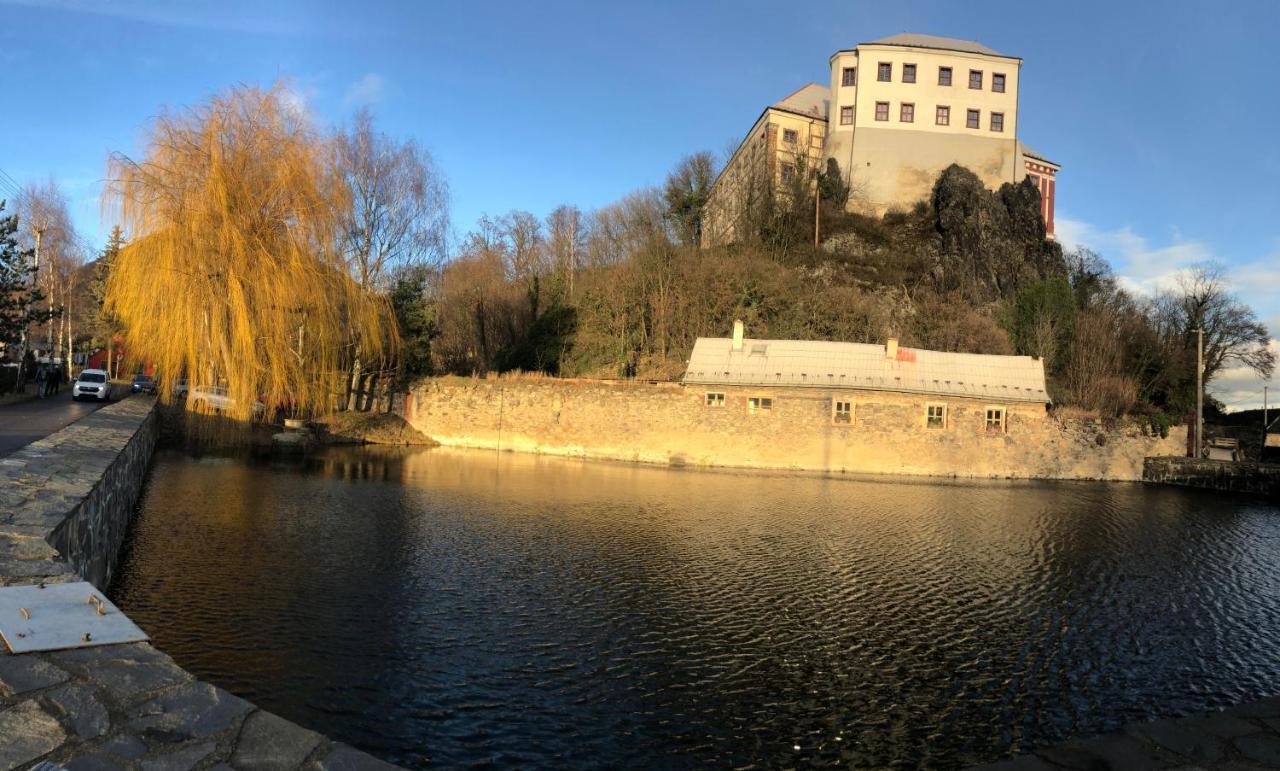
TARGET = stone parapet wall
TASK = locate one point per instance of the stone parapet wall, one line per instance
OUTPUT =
(671, 424)
(65, 504)
(1225, 475)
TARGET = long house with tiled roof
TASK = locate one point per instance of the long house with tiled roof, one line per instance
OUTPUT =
(897, 112)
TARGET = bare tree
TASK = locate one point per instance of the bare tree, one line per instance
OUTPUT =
(46, 219)
(399, 202)
(1232, 333)
(566, 241)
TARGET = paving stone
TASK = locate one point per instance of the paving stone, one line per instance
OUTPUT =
(1182, 739)
(344, 758)
(1225, 724)
(81, 708)
(1263, 748)
(125, 746)
(20, 674)
(192, 711)
(28, 732)
(182, 760)
(125, 679)
(270, 743)
(93, 761)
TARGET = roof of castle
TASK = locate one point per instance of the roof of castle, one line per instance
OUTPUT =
(1030, 153)
(861, 366)
(811, 101)
(917, 40)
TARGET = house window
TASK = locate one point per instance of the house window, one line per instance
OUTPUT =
(759, 404)
(943, 117)
(715, 399)
(1034, 180)
(997, 82)
(788, 172)
(790, 136)
(907, 113)
(974, 119)
(908, 73)
(882, 111)
(846, 116)
(995, 419)
(935, 416)
(997, 121)
(944, 76)
(884, 72)
(841, 412)
(975, 79)
(850, 77)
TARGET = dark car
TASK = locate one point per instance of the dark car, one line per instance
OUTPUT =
(143, 384)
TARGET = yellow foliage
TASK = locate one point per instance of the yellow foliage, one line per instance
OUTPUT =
(232, 274)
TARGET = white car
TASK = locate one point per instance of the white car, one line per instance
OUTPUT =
(215, 399)
(92, 384)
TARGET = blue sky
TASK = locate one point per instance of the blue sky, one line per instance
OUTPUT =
(1163, 115)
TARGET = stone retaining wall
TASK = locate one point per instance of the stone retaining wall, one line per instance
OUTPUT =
(65, 503)
(672, 424)
(1228, 476)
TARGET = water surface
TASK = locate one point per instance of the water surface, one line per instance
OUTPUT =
(445, 608)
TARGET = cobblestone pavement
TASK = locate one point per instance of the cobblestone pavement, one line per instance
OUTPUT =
(1238, 739)
(118, 706)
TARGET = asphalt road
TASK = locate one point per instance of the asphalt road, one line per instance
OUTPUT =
(25, 422)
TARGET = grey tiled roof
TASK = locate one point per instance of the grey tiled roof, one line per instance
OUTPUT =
(861, 366)
(809, 100)
(934, 41)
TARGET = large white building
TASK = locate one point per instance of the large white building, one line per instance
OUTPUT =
(897, 112)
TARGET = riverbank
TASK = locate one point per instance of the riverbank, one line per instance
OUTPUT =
(66, 502)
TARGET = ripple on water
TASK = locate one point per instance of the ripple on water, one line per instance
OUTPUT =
(454, 608)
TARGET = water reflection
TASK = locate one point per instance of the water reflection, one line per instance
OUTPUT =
(450, 607)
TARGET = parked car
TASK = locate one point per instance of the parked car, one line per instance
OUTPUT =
(92, 384)
(181, 388)
(143, 384)
(216, 399)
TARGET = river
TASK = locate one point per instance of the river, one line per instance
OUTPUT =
(445, 607)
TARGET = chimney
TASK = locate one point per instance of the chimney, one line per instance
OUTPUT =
(891, 348)
(737, 335)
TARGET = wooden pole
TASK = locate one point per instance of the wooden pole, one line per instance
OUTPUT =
(1199, 391)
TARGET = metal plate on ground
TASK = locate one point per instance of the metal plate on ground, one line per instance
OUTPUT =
(60, 616)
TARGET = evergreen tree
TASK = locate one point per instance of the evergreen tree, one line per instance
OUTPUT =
(103, 326)
(19, 295)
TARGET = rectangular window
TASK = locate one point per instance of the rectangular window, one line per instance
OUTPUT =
(997, 121)
(850, 77)
(790, 136)
(788, 172)
(759, 404)
(882, 111)
(975, 79)
(997, 82)
(841, 412)
(908, 73)
(935, 416)
(944, 76)
(908, 113)
(846, 116)
(715, 399)
(943, 117)
(974, 119)
(1034, 180)
(884, 72)
(995, 419)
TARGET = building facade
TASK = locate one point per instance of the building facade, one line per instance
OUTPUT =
(897, 112)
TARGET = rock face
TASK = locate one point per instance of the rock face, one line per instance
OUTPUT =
(115, 706)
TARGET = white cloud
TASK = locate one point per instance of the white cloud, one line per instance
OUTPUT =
(365, 91)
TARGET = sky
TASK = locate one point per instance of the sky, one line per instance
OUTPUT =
(1163, 115)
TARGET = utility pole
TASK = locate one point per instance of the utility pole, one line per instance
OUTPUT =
(1199, 391)
(817, 209)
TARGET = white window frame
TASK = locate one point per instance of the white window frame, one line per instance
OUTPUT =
(836, 414)
(1003, 427)
(946, 415)
(713, 399)
(759, 404)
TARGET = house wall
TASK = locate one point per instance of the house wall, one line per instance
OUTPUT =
(670, 424)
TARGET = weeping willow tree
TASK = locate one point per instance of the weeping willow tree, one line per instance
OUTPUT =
(233, 275)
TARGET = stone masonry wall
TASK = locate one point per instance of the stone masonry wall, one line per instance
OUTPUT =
(65, 503)
(1229, 476)
(671, 424)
